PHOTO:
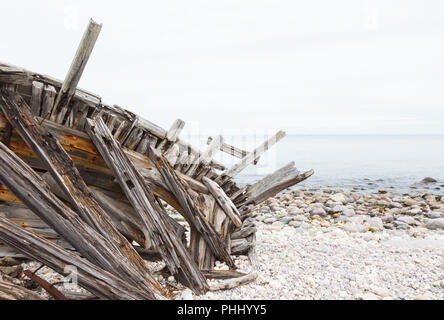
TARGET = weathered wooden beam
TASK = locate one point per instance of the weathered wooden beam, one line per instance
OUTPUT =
(89, 162)
(10, 291)
(226, 204)
(250, 158)
(66, 175)
(89, 276)
(206, 157)
(36, 98)
(81, 58)
(192, 211)
(233, 283)
(274, 183)
(172, 134)
(152, 214)
(231, 150)
(35, 193)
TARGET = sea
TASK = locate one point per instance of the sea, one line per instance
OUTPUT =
(361, 163)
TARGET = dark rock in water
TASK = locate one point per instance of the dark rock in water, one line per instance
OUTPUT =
(428, 180)
(382, 191)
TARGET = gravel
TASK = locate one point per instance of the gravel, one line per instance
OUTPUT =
(330, 263)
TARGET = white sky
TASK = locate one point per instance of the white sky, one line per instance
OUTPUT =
(308, 67)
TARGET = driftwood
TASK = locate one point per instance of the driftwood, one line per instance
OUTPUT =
(94, 279)
(191, 209)
(10, 291)
(69, 86)
(35, 193)
(84, 184)
(152, 214)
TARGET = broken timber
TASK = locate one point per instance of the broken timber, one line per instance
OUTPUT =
(151, 212)
(83, 184)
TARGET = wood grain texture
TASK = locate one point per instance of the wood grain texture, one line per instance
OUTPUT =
(154, 216)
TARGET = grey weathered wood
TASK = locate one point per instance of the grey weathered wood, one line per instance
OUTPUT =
(172, 134)
(231, 150)
(10, 291)
(68, 178)
(94, 279)
(233, 283)
(152, 214)
(100, 250)
(240, 246)
(192, 211)
(243, 233)
(206, 157)
(36, 98)
(250, 158)
(274, 183)
(172, 154)
(49, 94)
(79, 62)
(226, 204)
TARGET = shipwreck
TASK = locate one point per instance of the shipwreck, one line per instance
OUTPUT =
(85, 184)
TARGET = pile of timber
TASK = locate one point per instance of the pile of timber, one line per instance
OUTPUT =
(86, 184)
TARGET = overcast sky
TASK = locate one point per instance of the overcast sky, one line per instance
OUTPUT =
(308, 67)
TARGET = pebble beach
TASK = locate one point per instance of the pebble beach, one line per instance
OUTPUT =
(332, 244)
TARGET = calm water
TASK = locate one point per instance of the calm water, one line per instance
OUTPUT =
(370, 162)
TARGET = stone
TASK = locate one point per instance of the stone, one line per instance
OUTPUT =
(428, 180)
(375, 224)
(300, 218)
(433, 215)
(337, 208)
(400, 225)
(410, 202)
(286, 220)
(387, 218)
(348, 212)
(354, 228)
(270, 220)
(296, 211)
(318, 211)
(295, 224)
(408, 220)
(338, 197)
(435, 224)
(414, 212)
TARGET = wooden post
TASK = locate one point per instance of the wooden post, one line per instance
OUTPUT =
(75, 71)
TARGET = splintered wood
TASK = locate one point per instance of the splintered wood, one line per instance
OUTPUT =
(85, 185)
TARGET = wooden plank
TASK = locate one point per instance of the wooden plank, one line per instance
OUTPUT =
(231, 150)
(66, 175)
(172, 135)
(36, 98)
(226, 204)
(250, 158)
(49, 94)
(174, 253)
(10, 291)
(35, 193)
(78, 64)
(192, 211)
(89, 276)
(279, 186)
